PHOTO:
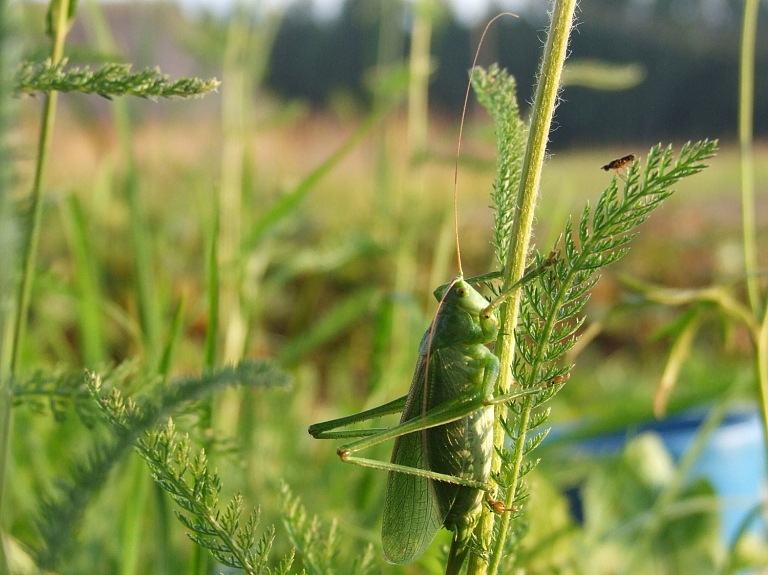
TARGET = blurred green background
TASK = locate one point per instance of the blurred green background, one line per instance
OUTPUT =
(332, 275)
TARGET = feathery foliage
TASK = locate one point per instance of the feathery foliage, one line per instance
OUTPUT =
(552, 305)
(496, 91)
(195, 489)
(59, 392)
(317, 549)
(114, 79)
(129, 418)
(60, 514)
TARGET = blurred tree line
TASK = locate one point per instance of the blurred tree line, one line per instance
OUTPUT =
(688, 50)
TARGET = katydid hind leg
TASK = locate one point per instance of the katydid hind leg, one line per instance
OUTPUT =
(441, 414)
(412, 514)
(320, 430)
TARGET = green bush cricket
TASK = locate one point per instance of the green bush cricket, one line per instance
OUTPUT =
(441, 460)
(440, 466)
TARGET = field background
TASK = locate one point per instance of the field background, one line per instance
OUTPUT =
(338, 291)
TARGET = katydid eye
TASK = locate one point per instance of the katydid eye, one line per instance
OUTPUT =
(461, 292)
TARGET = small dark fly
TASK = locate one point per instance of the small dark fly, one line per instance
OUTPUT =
(619, 163)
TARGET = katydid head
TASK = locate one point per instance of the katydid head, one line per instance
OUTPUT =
(462, 295)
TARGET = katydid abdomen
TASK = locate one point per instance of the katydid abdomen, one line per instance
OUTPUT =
(453, 363)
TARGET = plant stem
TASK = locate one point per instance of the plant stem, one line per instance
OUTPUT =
(746, 113)
(541, 119)
(761, 364)
(8, 243)
(418, 93)
(36, 208)
(32, 239)
(235, 113)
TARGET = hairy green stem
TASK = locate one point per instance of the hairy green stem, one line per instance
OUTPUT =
(541, 119)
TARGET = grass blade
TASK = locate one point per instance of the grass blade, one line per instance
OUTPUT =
(87, 275)
(288, 202)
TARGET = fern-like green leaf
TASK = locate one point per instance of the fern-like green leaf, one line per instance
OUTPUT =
(551, 305)
(316, 547)
(191, 485)
(60, 513)
(496, 91)
(107, 81)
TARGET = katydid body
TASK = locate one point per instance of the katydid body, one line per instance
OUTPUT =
(453, 362)
(440, 463)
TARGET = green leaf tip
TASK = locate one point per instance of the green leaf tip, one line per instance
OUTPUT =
(496, 91)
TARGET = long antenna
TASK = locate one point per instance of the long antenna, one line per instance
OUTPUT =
(455, 229)
(461, 130)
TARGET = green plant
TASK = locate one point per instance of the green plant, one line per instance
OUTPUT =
(719, 303)
(130, 420)
(141, 393)
(317, 547)
(108, 81)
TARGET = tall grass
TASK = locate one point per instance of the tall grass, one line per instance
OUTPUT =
(8, 243)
